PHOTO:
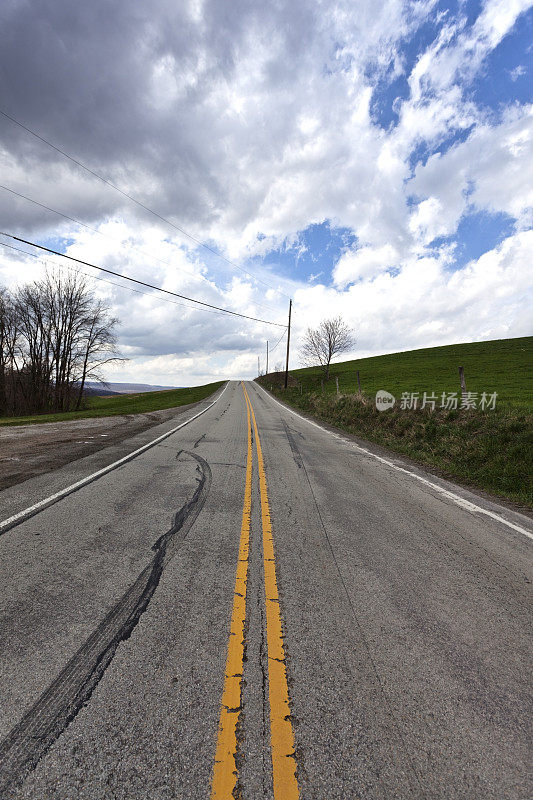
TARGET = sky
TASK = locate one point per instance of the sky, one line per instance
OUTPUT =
(372, 160)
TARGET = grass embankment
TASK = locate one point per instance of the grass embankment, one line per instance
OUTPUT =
(123, 404)
(490, 450)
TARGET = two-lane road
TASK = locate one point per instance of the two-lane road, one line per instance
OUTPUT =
(254, 607)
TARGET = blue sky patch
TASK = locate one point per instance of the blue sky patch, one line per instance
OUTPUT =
(312, 254)
(59, 243)
(387, 91)
(507, 73)
(477, 233)
(425, 149)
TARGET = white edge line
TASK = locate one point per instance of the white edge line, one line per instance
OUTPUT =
(16, 519)
(460, 501)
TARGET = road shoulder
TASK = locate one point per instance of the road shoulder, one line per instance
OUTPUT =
(27, 491)
(518, 514)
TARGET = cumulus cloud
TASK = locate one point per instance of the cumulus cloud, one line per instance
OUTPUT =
(492, 169)
(367, 262)
(245, 123)
(425, 303)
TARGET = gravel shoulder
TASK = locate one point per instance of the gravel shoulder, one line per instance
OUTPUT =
(30, 450)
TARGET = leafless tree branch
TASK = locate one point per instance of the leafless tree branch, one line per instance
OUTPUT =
(322, 344)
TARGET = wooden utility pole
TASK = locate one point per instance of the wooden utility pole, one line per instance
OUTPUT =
(288, 345)
(267, 359)
(258, 367)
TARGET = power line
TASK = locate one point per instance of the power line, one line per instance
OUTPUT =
(112, 283)
(95, 230)
(196, 275)
(138, 202)
(279, 340)
(141, 283)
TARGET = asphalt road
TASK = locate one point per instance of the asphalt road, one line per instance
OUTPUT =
(256, 608)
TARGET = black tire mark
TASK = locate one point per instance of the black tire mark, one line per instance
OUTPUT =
(260, 396)
(32, 737)
(294, 448)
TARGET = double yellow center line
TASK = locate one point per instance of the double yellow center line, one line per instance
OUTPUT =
(225, 772)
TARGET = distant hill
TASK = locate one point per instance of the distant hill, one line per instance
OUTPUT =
(98, 391)
(124, 388)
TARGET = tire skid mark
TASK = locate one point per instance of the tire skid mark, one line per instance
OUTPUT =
(48, 718)
(294, 447)
(17, 519)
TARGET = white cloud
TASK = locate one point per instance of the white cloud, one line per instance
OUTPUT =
(245, 125)
(422, 305)
(425, 304)
(459, 50)
(367, 262)
(428, 221)
(517, 72)
(492, 170)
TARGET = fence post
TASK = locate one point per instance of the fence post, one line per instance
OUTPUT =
(463, 381)
(337, 383)
(359, 382)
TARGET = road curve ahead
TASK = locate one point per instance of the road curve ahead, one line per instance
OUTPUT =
(256, 608)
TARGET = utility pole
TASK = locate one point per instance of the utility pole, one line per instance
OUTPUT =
(267, 359)
(288, 344)
(258, 367)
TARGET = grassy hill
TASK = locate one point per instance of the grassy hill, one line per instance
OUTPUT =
(124, 404)
(504, 366)
(490, 450)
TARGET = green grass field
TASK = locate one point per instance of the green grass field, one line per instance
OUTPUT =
(490, 450)
(503, 366)
(123, 404)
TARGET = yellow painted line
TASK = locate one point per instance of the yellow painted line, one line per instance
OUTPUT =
(281, 733)
(225, 771)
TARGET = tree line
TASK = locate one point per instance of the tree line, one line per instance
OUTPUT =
(54, 335)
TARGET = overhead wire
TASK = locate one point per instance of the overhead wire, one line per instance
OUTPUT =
(139, 203)
(112, 283)
(271, 349)
(141, 283)
(196, 275)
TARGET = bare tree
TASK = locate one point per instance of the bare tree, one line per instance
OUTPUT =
(33, 364)
(322, 344)
(9, 335)
(54, 334)
(98, 347)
